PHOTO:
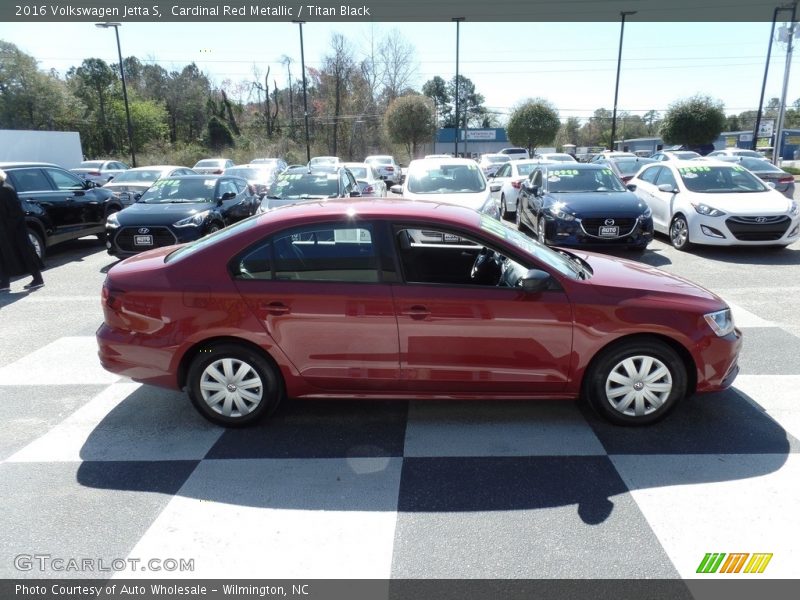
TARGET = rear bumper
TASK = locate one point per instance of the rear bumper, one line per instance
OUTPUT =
(130, 355)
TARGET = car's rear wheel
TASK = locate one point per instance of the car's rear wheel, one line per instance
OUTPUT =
(233, 385)
(38, 244)
(636, 382)
(521, 227)
(503, 207)
(679, 233)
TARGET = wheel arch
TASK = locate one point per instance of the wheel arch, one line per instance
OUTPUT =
(188, 357)
(681, 350)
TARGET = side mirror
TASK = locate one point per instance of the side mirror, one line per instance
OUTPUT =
(668, 187)
(397, 189)
(137, 196)
(227, 196)
(495, 187)
(631, 187)
(535, 281)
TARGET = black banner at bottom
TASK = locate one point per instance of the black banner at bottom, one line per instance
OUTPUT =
(401, 589)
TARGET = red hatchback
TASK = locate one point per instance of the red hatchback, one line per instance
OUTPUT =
(408, 300)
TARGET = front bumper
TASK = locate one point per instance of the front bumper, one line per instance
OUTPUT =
(584, 233)
(732, 230)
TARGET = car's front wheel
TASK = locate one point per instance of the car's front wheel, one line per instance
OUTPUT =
(233, 385)
(636, 382)
(37, 243)
(679, 233)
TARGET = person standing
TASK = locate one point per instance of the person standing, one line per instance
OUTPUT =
(17, 254)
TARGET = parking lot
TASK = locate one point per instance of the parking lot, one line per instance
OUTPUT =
(394, 489)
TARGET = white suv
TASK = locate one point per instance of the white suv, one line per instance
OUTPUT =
(515, 153)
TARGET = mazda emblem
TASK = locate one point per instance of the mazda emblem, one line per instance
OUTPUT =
(144, 230)
(761, 219)
(609, 221)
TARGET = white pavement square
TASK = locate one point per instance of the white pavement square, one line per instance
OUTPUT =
(778, 395)
(66, 361)
(295, 518)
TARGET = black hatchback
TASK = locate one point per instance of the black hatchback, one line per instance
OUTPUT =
(583, 205)
(175, 210)
(58, 205)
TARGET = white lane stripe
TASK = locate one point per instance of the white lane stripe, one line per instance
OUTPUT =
(66, 361)
(126, 422)
(777, 395)
(719, 503)
(522, 428)
(312, 519)
(744, 318)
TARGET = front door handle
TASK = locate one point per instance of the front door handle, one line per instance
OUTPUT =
(417, 312)
(275, 308)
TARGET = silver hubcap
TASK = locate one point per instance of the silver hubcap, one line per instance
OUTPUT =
(680, 233)
(35, 241)
(231, 387)
(638, 386)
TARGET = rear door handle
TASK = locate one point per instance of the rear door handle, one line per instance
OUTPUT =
(417, 311)
(275, 308)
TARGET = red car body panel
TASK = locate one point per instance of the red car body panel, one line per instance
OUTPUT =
(397, 340)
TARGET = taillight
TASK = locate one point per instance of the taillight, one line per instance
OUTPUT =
(390, 168)
(787, 179)
(368, 190)
(94, 173)
(516, 184)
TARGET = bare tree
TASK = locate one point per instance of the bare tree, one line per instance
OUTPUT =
(398, 60)
(287, 62)
(338, 68)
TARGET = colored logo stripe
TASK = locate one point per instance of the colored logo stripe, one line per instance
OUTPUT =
(713, 562)
(734, 563)
(710, 563)
(758, 563)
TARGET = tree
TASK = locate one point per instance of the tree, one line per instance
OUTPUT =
(533, 123)
(693, 122)
(398, 65)
(93, 82)
(436, 90)
(410, 120)
(568, 132)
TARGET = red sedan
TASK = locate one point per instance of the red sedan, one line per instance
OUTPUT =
(409, 300)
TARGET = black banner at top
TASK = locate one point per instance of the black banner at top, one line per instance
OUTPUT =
(385, 10)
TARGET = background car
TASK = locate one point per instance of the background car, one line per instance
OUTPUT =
(302, 185)
(212, 166)
(179, 209)
(736, 152)
(505, 184)
(516, 153)
(369, 183)
(268, 313)
(556, 157)
(608, 154)
(277, 163)
(451, 180)
(582, 204)
(386, 167)
(322, 161)
(260, 175)
(127, 186)
(716, 203)
(675, 155)
(100, 171)
(59, 206)
(489, 163)
(625, 167)
(764, 170)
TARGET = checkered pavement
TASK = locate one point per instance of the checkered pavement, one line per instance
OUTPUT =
(97, 466)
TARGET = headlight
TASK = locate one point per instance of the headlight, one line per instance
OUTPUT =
(112, 221)
(194, 221)
(708, 211)
(646, 214)
(558, 210)
(794, 209)
(721, 322)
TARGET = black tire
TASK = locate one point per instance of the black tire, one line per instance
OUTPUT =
(265, 385)
(213, 228)
(503, 208)
(608, 395)
(679, 233)
(521, 226)
(38, 244)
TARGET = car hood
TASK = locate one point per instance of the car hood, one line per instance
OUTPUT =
(587, 204)
(619, 276)
(160, 214)
(473, 200)
(754, 204)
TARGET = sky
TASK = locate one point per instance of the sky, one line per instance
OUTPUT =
(571, 65)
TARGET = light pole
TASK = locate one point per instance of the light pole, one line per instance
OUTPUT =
(305, 96)
(116, 27)
(623, 14)
(458, 23)
(778, 145)
(764, 83)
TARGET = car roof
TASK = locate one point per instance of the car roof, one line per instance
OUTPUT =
(16, 165)
(158, 168)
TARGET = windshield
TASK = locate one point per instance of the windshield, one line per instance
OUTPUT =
(381, 160)
(305, 185)
(209, 163)
(550, 257)
(358, 172)
(583, 180)
(167, 191)
(92, 164)
(248, 173)
(443, 178)
(758, 164)
(138, 176)
(720, 180)
(526, 169)
(632, 166)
